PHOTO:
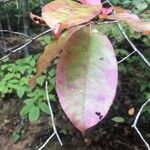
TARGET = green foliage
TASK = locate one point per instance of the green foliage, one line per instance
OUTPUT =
(138, 4)
(14, 79)
(118, 119)
(17, 134)
(15, 137)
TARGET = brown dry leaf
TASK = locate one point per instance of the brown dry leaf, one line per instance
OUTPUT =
(51, 51)
(132, 20)
(61, 14)
(37, 19)
(131, 111)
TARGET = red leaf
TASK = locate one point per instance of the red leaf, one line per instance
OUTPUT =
(62, 14)
(132, 20)
(37, 19)
(86, 78)
(90, 2)
(106, 11)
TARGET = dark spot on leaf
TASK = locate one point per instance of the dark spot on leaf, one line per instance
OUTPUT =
(99, 114)
(101, 58)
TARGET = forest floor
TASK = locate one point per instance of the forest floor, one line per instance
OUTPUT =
(105, 136)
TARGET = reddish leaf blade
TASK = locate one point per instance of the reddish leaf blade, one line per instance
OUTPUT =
(37, 19)
(62, 14)
(86, 78)
(132, 20)
(90, 2)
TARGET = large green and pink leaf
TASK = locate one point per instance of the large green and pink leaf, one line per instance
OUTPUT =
(51, 51)
(86, 78)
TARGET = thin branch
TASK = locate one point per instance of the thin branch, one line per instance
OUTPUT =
(126, 57)
(133, 46)
(17, 33)
(135, 124)
(4, 1)
(147, 62)
(105, 22)
(26, 44)
(46, 142)
(51, 112)
(52, 120)
(129, 41)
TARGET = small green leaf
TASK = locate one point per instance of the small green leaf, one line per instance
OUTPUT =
(34, 114)
(15, 137)
(28, 59)
(32, 63)
(148, 95)
(30, 101)
(26, 109)
(52, 98)
(118, 119)
(32, 94)
(21, 69)
(40, 80)
(52, 72)
(21, 91)
(14, 81)
(4, 89)
(3, 67)
(141, 6)
(44, 107)
(12, 86)
(8, 77)
(23, 81)
(17, 75)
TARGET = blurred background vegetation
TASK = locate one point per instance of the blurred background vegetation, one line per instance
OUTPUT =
(133, 83)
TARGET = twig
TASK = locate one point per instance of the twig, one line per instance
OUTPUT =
(129, 41)
(52, 120)
(135, 124)
(46, 142)
(4, 1)
(51, 112)
(133, 46)
(147, 62)
(126, 57)
(105, 22)
(24, 45)
(17, 33)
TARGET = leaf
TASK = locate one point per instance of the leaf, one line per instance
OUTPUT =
(86, 78)
(132, 20)
(43, 106)
(34, 114)
(90, 2)
(37, 19)
(21, 91)
(118, 119)
(26, 109)
(15, 137)
(131, 111)
(106, 11)
(40, 80)
(51, 51)
(62, 14)
(141, 6)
